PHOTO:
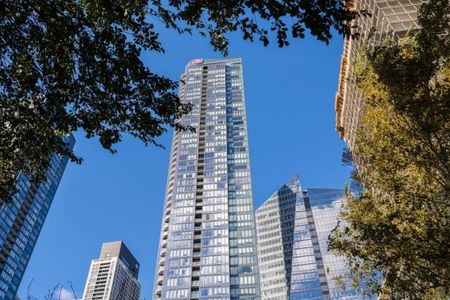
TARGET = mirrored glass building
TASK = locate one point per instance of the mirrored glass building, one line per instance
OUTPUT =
(207, 246)
(293, 226)
(275, 230)
(21, 222)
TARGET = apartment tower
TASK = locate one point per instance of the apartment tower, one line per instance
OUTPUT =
(114, 275)
(21, 221)
(388, 20)
(208, 241)
(293, 226)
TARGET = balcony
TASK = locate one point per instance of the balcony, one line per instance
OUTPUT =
(195, 283)
(158, 291)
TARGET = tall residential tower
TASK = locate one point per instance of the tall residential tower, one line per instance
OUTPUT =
(21, 222)
(208, 241)
(114, 276)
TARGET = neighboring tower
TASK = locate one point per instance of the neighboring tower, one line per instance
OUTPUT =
(21, 222)
(275, 231)
(114, 275)
(293, 228)
(208, 241)
(389, 19)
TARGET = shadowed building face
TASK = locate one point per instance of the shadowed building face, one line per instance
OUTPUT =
(21, 222)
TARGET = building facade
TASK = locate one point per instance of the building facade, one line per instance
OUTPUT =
(207, 248)
(293, 226)
(275, 232)
(388, 19)
(114, 276)
(21, 222)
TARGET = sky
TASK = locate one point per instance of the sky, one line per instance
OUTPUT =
(290, 109)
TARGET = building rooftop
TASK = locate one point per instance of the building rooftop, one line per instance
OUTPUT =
(120, 250)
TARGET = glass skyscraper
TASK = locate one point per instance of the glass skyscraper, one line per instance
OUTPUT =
(21, 222)
(208, 241)
(275, 230)
(293, 226)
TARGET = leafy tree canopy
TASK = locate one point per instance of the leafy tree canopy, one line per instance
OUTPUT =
(68, 65)
(395, 235)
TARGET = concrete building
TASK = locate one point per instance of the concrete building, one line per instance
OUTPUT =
(389, 19)
(114, 275)
(21, 222)
(208, 242)
(293, 226)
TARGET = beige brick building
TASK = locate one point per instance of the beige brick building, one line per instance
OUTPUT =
(389, 19)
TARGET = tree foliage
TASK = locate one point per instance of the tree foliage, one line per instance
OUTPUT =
(395, 235)
(68, 65)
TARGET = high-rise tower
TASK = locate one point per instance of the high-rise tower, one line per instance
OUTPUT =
(114, 275)
(21, 222)
(388, 19)
(275, 232)
(293, 226)
(208, 241)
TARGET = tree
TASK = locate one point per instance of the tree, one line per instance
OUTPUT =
(68, 65)
(395, 234)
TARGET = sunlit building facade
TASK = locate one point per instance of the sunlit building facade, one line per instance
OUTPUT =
(388, 19)
(293, 226)
(21, 222)
(208, 241)
(114, 275)
(275, 231)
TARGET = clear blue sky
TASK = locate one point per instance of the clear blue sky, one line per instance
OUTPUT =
(290, 106)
